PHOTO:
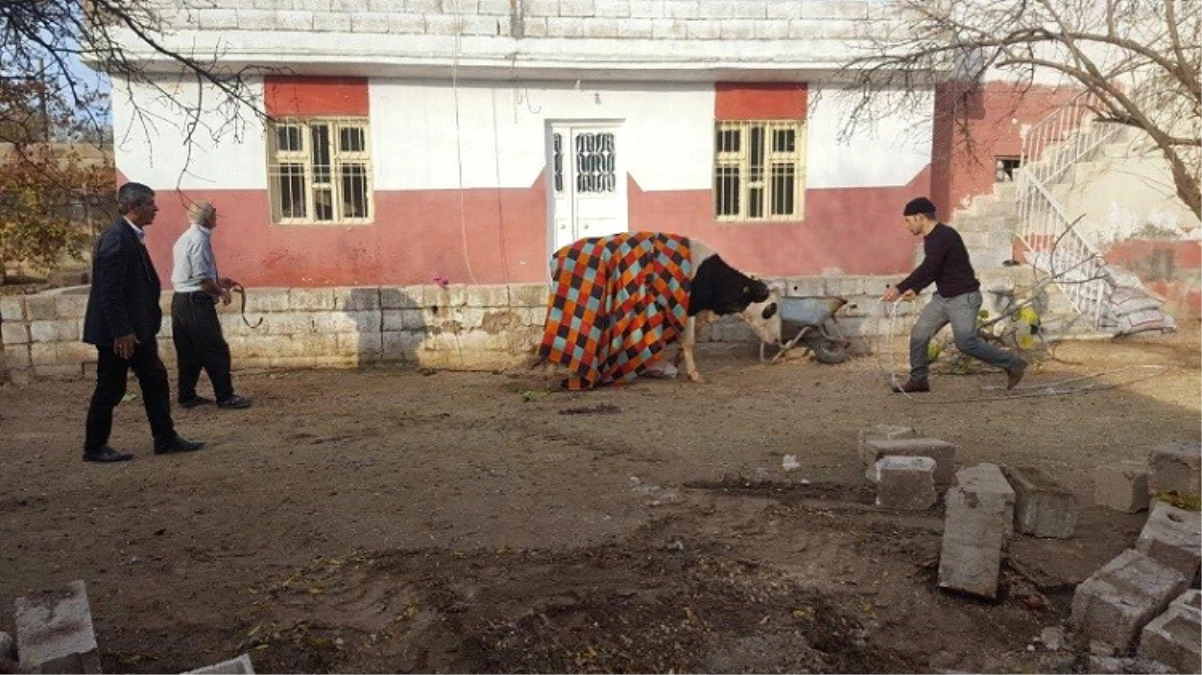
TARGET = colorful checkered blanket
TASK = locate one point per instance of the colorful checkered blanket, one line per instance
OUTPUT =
(616, 303)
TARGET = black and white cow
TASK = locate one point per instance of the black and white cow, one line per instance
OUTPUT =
(717, 289)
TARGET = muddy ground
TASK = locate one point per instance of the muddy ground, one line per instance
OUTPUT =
(393, 520)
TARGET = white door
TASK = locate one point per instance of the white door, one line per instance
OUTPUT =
(588, 182)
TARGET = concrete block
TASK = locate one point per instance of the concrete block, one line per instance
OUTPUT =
(529, 295)
(668, 29)
(241, 664)
(682, 9)
(59, 371)
(942, 452)
(401, 298)
(292, 323)
(54, 632)
(1122, 486)
(346, 322)
(635, 28)
(1173, 537)
(613, 8)
(217, 19)
(1176, 465)
(577, 8)
(806, 286)
(40, 307)
(1125, 666)
(8, 646)
(14, 332)
(451, 296)
(905, 483)
(732, 9)
(647, 9)
(43, 354)
(402, 345)
(12, 307)
(357, 299)
(310, 299)
(1117, 601)
(1042, 507)
(256, 19)
(70, 306)
(1173, 638)
(976, 527)
(331, 22)
(880, 432)
(488, 296)
(17, 356)
(59, 330)
(404, 319)
(738, 29)
(703, 29)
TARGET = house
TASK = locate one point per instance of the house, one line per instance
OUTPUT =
(468, 139)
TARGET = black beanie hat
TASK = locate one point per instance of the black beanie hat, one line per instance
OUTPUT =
(919, 205)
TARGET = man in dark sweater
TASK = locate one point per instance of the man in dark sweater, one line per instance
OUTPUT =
(957, 299)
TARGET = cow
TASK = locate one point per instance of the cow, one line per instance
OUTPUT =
(618, 301)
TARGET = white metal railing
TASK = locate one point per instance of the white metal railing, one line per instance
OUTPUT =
(1050, 148)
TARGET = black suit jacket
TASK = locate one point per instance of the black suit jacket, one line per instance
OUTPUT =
(124, 297)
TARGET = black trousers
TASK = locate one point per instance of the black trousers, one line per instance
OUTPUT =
(112, 372)
(199, 344)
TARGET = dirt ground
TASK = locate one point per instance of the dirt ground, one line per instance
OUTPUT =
(391, 520)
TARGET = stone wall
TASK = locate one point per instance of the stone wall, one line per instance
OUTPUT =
(457, 328)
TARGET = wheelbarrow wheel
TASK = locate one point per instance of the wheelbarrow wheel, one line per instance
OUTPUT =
(827, 350)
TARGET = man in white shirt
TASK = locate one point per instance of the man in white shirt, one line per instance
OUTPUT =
(195, 328)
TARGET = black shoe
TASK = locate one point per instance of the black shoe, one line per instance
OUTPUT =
(193, 402)
(1015, 374)
(234, 402)
(911, 386)
(106, 454)
(177, 445)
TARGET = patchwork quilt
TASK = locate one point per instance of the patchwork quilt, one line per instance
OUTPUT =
(616, 303)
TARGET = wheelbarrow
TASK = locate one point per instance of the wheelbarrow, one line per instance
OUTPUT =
(810, 321)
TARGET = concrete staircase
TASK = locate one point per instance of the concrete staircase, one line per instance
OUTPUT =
(1026, 214)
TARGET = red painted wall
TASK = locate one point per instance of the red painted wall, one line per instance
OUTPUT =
(764, 101)
(295, 95)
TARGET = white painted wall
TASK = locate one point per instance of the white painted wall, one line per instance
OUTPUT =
(667, 136)
(889, 152)
(667, 132)
(150, 137)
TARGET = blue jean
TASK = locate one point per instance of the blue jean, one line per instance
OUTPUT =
(961, 312)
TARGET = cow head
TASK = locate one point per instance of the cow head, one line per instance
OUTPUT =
(762, 312)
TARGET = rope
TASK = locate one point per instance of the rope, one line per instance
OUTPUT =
(1056, 388)
(237, 288)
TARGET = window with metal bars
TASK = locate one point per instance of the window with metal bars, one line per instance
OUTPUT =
(758, 169)
(320, 170)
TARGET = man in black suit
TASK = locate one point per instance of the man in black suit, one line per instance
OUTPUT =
(122, 321)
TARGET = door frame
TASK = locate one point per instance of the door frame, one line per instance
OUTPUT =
(618, 126)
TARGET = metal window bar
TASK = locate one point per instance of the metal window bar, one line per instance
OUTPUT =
(320, 171)
(758, 170)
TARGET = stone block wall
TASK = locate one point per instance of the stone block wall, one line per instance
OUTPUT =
(458, 328)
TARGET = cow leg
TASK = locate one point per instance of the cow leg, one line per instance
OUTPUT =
(686, 349)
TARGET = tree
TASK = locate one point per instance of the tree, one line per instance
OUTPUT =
(1139, 61)
(50, 199)
(44, 42)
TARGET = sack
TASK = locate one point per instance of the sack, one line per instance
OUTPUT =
(1124, 301)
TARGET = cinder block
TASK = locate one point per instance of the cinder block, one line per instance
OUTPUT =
(880, 432)
(488, 296)
(1042, 507)
(1116, 665)
(14, 332)
(39, 307)
(1176, 465)
(357, 299)
(1172, 537)
(59, 330)
(401, 297)
(942, 452)
(241, 664)
(293, 20)
(905, 483)
(70, 306)
(529, 295)
(976, 527)
(310, 299)
(1122, 486)
(451, 296)
(404, 319)
(1173, 638)
(12, 307)
(54, 632)
(17, 356)
(1117, 601)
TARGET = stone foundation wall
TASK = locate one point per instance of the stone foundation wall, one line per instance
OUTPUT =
(457, 328)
